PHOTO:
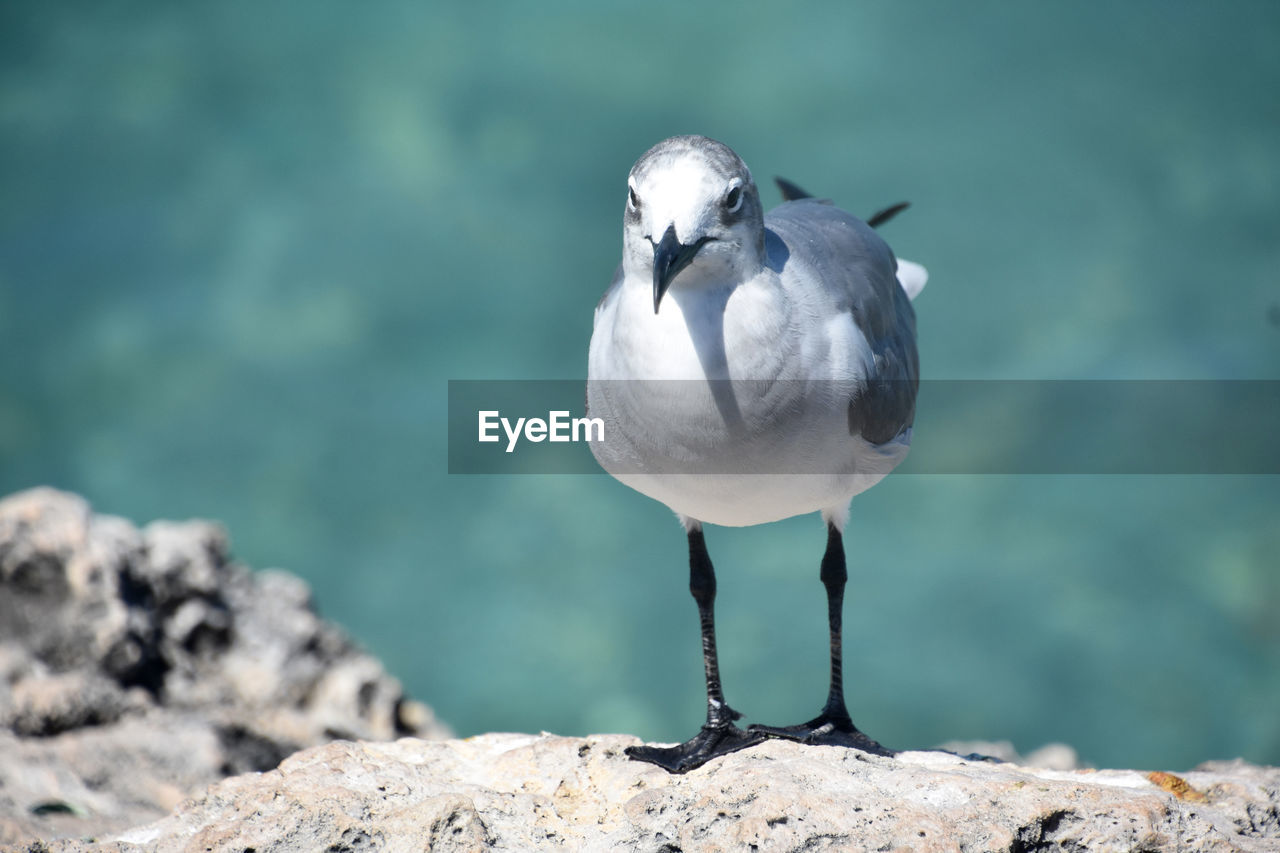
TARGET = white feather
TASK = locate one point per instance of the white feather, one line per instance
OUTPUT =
(912, 277)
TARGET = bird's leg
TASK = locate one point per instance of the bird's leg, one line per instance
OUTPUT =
(719, 736)
(834, 577)
(833, 726)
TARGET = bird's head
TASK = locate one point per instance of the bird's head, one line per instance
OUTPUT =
(693, 216)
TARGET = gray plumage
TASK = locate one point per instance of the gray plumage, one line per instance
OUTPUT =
(856, 263)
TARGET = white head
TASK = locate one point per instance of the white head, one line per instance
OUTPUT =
(693, 216)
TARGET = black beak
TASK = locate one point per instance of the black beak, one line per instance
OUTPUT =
(669, 257)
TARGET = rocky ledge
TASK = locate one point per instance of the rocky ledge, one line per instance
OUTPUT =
(143, 673)
(137, 667)
(522, 792)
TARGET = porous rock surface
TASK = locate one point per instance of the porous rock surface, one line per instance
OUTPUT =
(524, 792)
(137, 667)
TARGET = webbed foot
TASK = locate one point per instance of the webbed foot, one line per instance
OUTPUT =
(824, 730)
(698, 750)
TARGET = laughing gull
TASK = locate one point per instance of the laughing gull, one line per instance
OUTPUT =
(749, 368)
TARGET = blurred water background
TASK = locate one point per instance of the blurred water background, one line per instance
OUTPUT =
(243, 248)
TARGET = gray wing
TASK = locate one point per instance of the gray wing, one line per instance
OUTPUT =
(859, 269)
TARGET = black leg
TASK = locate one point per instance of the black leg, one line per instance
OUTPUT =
(719, 736)
(833, 725)
(834, 576)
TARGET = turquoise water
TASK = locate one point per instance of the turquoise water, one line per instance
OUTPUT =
(244, 248)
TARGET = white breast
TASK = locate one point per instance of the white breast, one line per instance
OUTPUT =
(738, 452)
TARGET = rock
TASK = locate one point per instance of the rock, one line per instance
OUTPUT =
(1052, 756)
(139, 666)
(521, 792)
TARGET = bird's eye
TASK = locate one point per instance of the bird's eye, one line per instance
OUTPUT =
(633, 200)
(733, 199)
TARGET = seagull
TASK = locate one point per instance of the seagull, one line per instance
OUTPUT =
(748, 368)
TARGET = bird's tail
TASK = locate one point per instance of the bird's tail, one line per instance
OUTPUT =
(912, 277)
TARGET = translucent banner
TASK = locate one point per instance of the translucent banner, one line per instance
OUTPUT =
(960, 426)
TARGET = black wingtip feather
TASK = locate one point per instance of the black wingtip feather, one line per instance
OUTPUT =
(790, 192)
(882, 216)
